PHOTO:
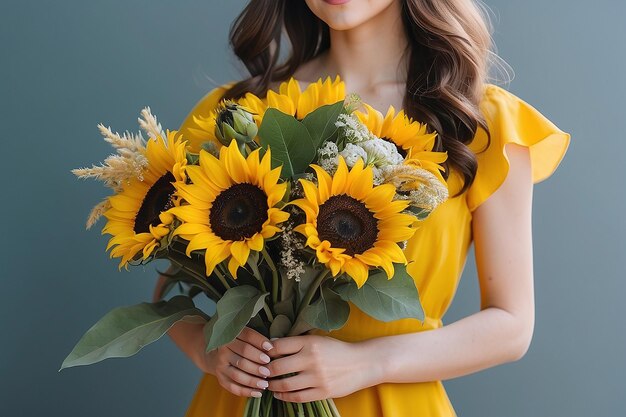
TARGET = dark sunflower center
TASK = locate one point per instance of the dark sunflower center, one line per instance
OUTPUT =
(239, 212)
(346, 223)
(157, 199)
(400, 150)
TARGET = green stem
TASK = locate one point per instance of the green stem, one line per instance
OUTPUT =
(272, 266)
(290, 411)
(257, 275)
(222, 278)
(200, 279)
(333, 407)
(321, 410)
(256, 407)
(266, 405)
(309, 410)
(306, 300)
(300, 409)
(246, 411)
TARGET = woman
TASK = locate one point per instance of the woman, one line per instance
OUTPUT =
(429, 57)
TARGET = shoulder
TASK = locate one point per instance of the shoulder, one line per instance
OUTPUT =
(511, 120)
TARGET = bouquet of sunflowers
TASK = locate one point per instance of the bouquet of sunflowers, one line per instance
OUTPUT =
(281, 210)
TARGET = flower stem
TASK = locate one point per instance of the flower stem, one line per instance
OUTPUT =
(272, 266)
(222, 278)
(309, 296)
(200, 279)
(321, 409)
(333, 407)
(256, 407)
(257, 275)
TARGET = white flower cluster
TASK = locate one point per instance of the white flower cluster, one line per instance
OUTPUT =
(290, 244)
(352, 129)
(327, 157)
(378, 153)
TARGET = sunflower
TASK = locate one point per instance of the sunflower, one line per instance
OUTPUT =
(139, 215)
(290, 99)
(410, 137)
(351, 224)
(231, 206)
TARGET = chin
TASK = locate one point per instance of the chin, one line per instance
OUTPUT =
(348, 14)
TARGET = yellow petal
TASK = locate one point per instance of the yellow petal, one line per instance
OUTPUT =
(256, 242)
(340, 179)
(236, 164)
(324, 182)
(357, 271)
(240, 251)
(233, 266)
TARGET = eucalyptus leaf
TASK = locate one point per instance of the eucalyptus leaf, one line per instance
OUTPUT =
(286, 307)
(234, 310)
(321, 122)
(123, 331)
(385, 299)
(280, 326)
(306, 280)
(329, 312)
(289, 140)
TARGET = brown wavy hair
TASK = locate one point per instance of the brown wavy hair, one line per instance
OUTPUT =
(448, 58)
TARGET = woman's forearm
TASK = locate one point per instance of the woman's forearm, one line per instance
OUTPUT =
(482, 340)
(189, 337)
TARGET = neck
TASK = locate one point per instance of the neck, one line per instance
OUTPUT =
(370, 54)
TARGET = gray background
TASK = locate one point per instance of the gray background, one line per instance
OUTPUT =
(67, 65)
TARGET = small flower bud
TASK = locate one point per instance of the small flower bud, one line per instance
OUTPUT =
(234, 122)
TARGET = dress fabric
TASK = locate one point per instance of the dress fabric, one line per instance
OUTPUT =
(438, 251)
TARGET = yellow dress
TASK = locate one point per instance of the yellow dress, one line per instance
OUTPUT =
(439, 249)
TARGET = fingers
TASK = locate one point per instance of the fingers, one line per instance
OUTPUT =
(245, 379)
(287, 346)
(292, 383)
(232, 386)
(248, 351)
(287, 365)
(302, 396)
(256, 339)
(248, 366)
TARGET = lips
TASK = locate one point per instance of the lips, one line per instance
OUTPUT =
(336, 2)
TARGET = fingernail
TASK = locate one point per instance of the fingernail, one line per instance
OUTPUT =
(262, 384)
(256, 394)
(265, 358)
(268, 346)
(264, 371)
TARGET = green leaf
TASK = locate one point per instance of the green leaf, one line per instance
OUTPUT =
(123, 331)
(280, 326)
(328, 312)
(234, 310)
(289, 140)
(385, 299)
(321, 122)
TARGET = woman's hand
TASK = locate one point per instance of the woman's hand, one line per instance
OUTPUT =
(324, 367)
(240, 365)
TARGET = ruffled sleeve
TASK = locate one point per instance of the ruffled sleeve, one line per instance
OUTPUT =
(197, 128)
(512, 120)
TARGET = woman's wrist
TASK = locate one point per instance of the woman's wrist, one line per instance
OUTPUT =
(371, 362)
(189, 337)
